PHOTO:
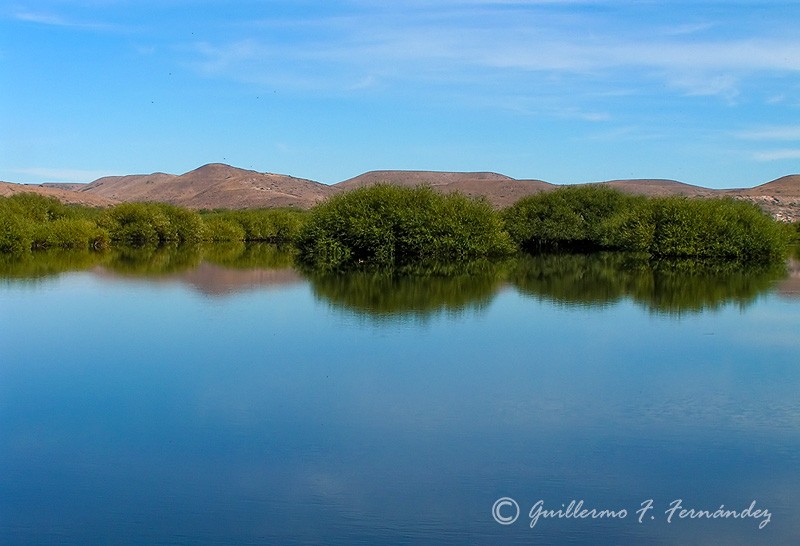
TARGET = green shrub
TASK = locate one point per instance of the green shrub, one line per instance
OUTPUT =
(596, 218)
(16, 233)
(575, 218)
(393, 226)
(153, 223)
(186, 226)
(265, 225)
(30, 221)
(36, 208)
(220, 229)
(77, 233)
(715, 228)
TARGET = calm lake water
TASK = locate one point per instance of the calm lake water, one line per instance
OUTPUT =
(223, 397)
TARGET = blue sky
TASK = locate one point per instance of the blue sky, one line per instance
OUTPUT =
(566, 91)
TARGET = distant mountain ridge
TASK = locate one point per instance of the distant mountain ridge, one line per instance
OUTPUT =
(500, 190)
(217, 185)
(213, 186)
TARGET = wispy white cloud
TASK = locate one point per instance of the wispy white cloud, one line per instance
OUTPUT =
(426, 44)
(52, 19)
(41, 18)
(786, 132)
(700, 84)
(687, 29)
(777, 155)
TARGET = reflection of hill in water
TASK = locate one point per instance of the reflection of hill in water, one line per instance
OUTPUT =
(214, 280)
(790, 286)
(213, 270)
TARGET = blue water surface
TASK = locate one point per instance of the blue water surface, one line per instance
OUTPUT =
(154, 411)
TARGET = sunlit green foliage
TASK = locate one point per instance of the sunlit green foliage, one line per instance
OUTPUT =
(393, 226)
(220, 229)
(30, 221)
(266, 225)
(77, 233)
(153, 223)
(35, 208)
(16, 233)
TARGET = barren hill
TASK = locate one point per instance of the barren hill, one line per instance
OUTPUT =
(658, 187)
(73, 186)
(70, 197)
(221, 186)
(134, 187)
(780, 197)
(498, 189)
(214, 186)
(786, 186)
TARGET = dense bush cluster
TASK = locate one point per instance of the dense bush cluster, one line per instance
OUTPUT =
(574, 218)
(30, 222)
(390, 226)
(152, 223)
(394, 226)
(265, 225)
(597, 218)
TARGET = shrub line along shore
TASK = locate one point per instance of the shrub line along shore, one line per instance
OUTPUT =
(389, 226)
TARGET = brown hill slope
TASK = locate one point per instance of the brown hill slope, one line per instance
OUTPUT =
(70, 197)
(498, 189)
(786, 186)
(73, 186)
(214, 186)
(658, 187)
(222, 186)
(134, 187)
(780, 197)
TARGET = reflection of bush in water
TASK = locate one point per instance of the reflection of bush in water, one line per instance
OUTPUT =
(176, 258)
(578, 278)
(249, 256)
(688, 285)
(146, 260)
(421, 291)
(154, 260)
(669, 286)
(44, 263)
(574, 279)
